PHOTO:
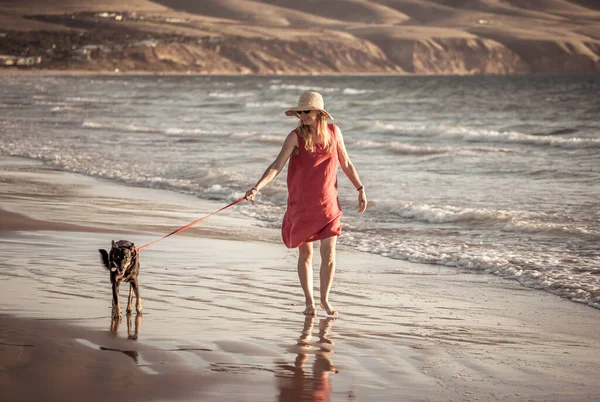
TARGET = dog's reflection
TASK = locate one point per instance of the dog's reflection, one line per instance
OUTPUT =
(133, 332)
(303, 381)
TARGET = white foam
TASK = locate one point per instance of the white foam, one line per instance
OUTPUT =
(119, 127)
(467, 134)
(62, 108)
(421, 129)
(505, 220)
(260, 105)
(532, 268)
(86, 99)
(399, 147)
(480, 135)
(277, 87)
(353, 91)
(270, 139)
(178, 130)
(234, 94)
(12, 106)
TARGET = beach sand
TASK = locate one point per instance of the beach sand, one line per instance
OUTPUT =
(222, 314)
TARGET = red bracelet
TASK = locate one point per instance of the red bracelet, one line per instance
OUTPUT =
(360, 188)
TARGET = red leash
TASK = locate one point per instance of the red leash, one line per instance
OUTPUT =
(181, 229)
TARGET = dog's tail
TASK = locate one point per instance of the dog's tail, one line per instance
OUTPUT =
(104, 258)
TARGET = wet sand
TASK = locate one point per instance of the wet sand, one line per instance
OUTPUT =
(222, 312)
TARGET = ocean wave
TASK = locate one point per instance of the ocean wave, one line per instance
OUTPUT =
(119, 127)
(403, 148)
(270, 139)
(52, 103)
(383, 126)
(479, 135)
(298, 87)
(88, 100)
(419, 130)
(241, 135)
(352, 91)
(211, 183)
(555, 138)
(12, 105)
(219, 94)
(64, 108)
(531, 268)
(504, 220)
(178, 130)
(262, 105)
(400, 148)
(345, 91)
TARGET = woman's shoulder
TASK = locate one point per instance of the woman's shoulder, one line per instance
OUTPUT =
(333, 128)
(293, 137)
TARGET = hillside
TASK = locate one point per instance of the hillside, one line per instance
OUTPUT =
(308, 37)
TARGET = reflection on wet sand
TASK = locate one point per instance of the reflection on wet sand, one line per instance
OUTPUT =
(131, 334)
(297, 382)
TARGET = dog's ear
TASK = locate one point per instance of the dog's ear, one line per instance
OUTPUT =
(114, 245)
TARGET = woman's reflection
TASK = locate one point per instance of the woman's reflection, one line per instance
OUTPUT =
(304, 381)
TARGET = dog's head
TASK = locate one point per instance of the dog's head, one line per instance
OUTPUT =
(122, 257)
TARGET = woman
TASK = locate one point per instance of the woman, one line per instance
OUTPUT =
(315, 149)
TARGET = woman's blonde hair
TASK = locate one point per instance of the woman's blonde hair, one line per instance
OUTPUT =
(322, 134)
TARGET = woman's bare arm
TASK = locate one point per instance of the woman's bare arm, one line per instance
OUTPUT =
(274, 168)
(350, 171)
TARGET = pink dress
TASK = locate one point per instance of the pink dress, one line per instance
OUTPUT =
(313, 209)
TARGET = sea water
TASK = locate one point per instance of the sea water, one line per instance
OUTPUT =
(498, 175)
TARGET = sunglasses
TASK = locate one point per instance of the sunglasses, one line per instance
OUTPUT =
(304, 111)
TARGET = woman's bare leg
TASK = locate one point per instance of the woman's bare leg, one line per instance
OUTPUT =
(327, 271)
(305, 273)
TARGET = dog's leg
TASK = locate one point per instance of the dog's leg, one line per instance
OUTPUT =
(138, 299)
(116, 313)
(130, 299)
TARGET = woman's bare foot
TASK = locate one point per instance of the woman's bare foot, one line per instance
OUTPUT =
(310, 310)
(328, 309)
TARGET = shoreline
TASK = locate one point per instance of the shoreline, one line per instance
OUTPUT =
(84, 72)
(222, 313)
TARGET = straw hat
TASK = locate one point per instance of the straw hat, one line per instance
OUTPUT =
(309, 100)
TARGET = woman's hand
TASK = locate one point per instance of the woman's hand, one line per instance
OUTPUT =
(362, 201)
(251, 194)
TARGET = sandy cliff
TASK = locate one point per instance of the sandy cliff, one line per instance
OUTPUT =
(309, 37)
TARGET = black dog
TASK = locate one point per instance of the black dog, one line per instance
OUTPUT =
(123, 262)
